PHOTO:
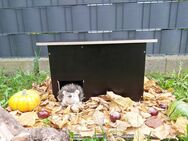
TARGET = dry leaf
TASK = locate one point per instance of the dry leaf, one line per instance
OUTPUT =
(67, 110)
(120, 139)
(87, 132)
(148, 96)
(146, 130)
(181, 124)
(51, 105)
(122, 125)
(152, 87)
(114, 107)
(28, 118)
(98, 117)
(44, 96)
(56, 109)
(75, 108)
(161, 132)
(139, 136)
(59, 121)
(153, 122)
(74, 118)
(145, 80)
(135, 119)
(100, 107)
(122, 101)
(43, 103)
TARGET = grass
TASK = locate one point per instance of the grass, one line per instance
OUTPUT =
(174, 82)
(12, 83)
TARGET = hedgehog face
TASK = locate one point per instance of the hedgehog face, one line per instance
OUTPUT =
(70, 94)
(70, 98)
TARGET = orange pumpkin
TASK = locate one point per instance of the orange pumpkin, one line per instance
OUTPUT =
(25, 100)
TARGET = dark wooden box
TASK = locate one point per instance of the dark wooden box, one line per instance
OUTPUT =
(99, 66)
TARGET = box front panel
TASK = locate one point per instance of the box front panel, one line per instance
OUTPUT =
(116, 67)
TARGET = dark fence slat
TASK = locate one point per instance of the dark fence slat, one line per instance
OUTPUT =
(132, 16)
(183, 44)
(8, 21)
(1, 3)
(5, 50)
(55, 19)
(106, 17)
(41, 3)
(81, 18)
(159, 15)
(69, 19)
(157, 46)
(120, 35)
(182, 20)
(16, 3)
(67, 2)
(69, 37)
(22, 45)
(146, 35)
(93, 18)
(43, 19)
(31, 19)
(170, 41)
(146, 8)
(173, 15)
(93, 37)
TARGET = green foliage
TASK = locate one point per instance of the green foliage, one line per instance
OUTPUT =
(176, 82)
(12, 83)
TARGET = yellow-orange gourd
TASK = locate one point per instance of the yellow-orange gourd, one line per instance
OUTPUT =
(25, 100)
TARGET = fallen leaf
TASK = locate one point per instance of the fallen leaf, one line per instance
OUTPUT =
(67, 110)
(161, 132)
(56, 109)
(28, 118)
(92, 104)
(139, 136)
(87, 133)
(145, 80)
(148, 96)
(44, 96)
(59, 121)
(74, 118)
(135, 119)
(43, 103)
(51, 105)
(181, 124)
(125, 102)
(122, 125)
(152, 87)
(114, 107)
(99, 117)
(153, 122)
(146, 130)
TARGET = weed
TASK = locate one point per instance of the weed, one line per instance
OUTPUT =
(12, 83)
(176, 82)
(36, 62)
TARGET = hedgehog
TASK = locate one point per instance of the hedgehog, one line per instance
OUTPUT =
(70, 94)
